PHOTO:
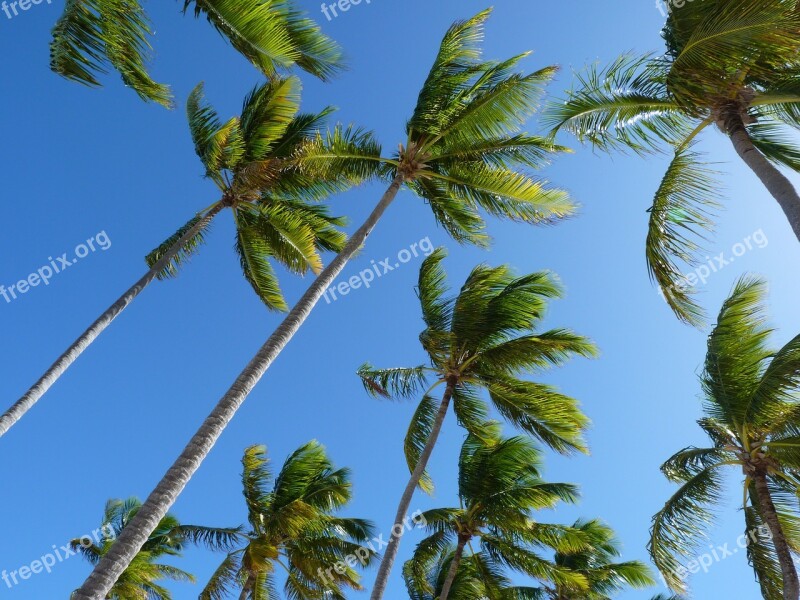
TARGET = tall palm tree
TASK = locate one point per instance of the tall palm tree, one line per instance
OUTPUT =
(92, 36)
(275, 207)
(500, 488)
(293, 529)
(730, 63)
(485, 338)
(463, 154)
(140, 579)
(752, 418)
(597, 563)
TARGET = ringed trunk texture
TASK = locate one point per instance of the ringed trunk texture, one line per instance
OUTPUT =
(791, 585)
(776, 182)
(136, 532)
(66, 360)
(451, 573)
(387, 562)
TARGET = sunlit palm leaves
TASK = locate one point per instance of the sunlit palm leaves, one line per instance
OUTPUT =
(141, 580)
(294, 531)
(752, 418)
(500, 488)
(252, 160)
(484, 339)
(94, 35)
(733, 63)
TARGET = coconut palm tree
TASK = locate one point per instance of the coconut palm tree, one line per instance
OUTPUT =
(485, 338)
(92, 36)
(275, 207)
(294, 531)
(752, 418)
(140, 579)
(464, 154)
(597, 563)
(500, 488)
(733, 64)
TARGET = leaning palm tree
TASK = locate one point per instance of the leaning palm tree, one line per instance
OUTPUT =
(294, 531)
(92, 36)
(275, 207)
(464, 154)
(140, 579)
(730, 63)
(752, 417)
(485, 338)
(500, 488)
(598, 564)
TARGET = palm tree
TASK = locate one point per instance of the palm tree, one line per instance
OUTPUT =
(463, 154)
(752, 417)
(499, 488)
(293, 528)
(730, 63)
(596, 563)
(483, 339)
(275, 207)
(92, 36)
(140, 579)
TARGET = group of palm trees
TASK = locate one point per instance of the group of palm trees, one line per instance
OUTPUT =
(730, 63)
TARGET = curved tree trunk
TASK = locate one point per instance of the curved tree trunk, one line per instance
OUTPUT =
(791, 585)
(387, 562)
(136, 532)
(776, 182)
(65, 361)
(451, 573)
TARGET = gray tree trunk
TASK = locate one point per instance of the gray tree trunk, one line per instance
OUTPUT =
(791, 584)
(451, 573)
(389, 557)
(776, 182)
(136, 532)
(66, 360)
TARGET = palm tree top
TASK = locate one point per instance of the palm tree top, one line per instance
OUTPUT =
(92, 36)
(751, 416)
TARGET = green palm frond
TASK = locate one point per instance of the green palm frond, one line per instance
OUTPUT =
(185, 253)
(93, 35)
(254, 257)
(419, 431)
(273, 34)
(678, 527)
(393, 383)
(776, 143)
(267, 112)
(680, 219)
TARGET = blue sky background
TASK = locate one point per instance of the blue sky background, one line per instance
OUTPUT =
(78, 161)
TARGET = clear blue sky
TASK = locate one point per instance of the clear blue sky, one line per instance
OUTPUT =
(77, 162)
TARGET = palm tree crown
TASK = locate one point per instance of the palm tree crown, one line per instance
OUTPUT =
(730, 63)
(500, 488)
(752, 418)
(93, 35)
(294, 530)
(140, 581)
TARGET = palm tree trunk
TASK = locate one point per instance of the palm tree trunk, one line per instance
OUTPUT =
(776, 182)
(791, 585)
(451, 573)
(387, 562)
(65, 361)
(135, 534)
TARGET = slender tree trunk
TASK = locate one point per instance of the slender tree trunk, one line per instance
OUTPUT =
(65, 361)
(135, 534)
(791, 585)
(451, 573)
(387, 562)
(776, 182)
